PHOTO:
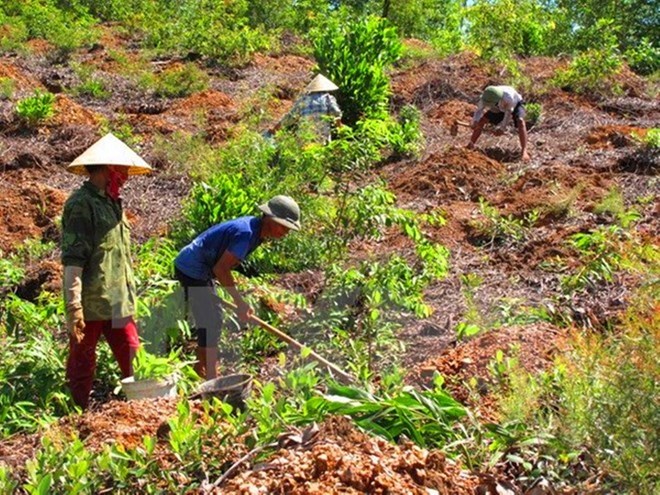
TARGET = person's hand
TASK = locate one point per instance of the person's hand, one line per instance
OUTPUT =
(525, 156)
(75, 324)
(244, 312)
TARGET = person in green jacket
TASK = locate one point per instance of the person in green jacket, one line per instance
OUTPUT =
(98, 283)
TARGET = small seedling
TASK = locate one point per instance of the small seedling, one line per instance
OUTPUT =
(37, 108)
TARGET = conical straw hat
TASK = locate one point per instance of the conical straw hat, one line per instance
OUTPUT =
(320, 83)
(110, 150)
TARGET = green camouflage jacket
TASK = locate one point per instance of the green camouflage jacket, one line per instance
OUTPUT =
(96, 237)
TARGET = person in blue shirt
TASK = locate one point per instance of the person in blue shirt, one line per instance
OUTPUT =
(212, 256)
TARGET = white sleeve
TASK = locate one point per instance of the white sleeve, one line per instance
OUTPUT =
(506, 105)
(478, 113)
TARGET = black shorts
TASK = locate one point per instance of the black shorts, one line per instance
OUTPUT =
(497, 117)
(206, 308)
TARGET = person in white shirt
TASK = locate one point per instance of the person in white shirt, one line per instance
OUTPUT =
(501, 104)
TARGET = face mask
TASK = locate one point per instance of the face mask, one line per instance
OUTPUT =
(115, 181)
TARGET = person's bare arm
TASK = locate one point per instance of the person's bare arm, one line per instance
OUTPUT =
(222, 272)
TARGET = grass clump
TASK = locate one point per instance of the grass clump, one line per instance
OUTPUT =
(595, 412)
(7, 88)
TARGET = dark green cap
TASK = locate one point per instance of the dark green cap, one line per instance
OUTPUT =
(492, 95)
(284, 210)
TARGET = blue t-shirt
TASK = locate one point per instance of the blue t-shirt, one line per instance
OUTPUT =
(240, 236)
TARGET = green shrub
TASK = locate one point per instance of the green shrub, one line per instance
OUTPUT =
(502, 28)
(7, 88)
(122, 128)
(62, 465)
(652, 139)
(354, 55)
(37, 108)
(181, 81)
(643, 58)
(437, 21)
(533, 112)
(32, 381)
(594, 410)
(92, 87)
(219, 31)
(613, 205)
(590, 72)
(90, 84)
(67, 29)
(406, 137)
(223, 197)
(600, 258)
(14, 33)
(495, 228)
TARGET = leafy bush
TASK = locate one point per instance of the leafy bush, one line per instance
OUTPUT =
(32, 378)
(67, 29)
(643, 58)
(498, 29)
(652, 139)
(502, 229)
(223, 197)
(14, 32)
(600, 258)
(406, 137)
(90, 85)
(533, 113)
(593, 414)
(613, 205)
(354, 55)
(220, 31)
(437, 21)
(120, 126)
(180, 81)
(37, 108)
(94, 88)
(7, 88)
(590, 72)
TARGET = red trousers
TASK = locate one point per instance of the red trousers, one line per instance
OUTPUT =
(122, 336)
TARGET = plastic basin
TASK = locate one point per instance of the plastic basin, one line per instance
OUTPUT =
(148, 389)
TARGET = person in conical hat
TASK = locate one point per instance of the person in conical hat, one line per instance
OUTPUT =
(502, 105)
(98, 283)
(212, 256)
(316, 105)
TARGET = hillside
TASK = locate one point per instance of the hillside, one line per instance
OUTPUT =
(543, 256)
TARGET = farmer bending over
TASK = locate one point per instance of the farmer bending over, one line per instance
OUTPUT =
(503, 104)
(211, 256)
(99, 289)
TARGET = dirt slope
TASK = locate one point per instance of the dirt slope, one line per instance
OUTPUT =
(581, 149)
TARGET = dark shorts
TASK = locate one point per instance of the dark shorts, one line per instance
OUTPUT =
(206, 307)
(497, 117)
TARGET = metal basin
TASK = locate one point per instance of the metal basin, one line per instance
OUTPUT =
(232, 389)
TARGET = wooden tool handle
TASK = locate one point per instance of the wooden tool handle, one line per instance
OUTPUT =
(345, 377)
